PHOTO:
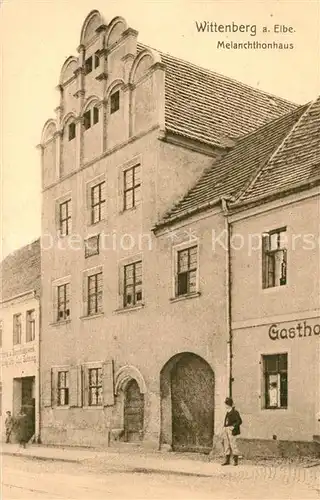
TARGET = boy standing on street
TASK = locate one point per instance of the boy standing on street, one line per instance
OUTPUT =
(231, 430)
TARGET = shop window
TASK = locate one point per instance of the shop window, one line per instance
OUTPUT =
(30, 326)
(132, 293)
(114, 102)
(275, 369)
(186, 277)
(63, 388)
(95, 386)
(72, 131)
(17, 329)
(65, 218)
(274, 258)
(132, 187)
(88, 65)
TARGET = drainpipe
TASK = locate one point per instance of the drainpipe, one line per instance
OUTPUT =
(228, 295)
(38, 412)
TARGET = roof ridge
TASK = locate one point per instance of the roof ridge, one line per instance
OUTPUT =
(220, 75)
(281, 145)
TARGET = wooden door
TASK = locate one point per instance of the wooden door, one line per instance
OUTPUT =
(192, 393)
(133, 412)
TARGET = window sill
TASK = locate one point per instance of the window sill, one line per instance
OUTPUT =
(128, 309)
(92, 316)
(274, 288)
(59, 323)
(274, 409)
(185, 297)
(128, 210)
(93, 407)
(65, 407)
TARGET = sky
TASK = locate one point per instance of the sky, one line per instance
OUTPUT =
(38, 35)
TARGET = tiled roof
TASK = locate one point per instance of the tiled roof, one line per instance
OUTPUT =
(296, 161)
(229, 176)
(209, 107)
(21, 271)
(206, 106)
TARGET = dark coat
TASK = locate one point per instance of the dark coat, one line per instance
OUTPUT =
(233, 419)
(23, 429)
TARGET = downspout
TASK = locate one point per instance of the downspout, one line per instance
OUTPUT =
(228, 296)
(38, 412)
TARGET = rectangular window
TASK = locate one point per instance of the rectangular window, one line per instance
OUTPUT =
(63, 388)
(72, 131)
(17, 329)
(65, 218)
(132, 284)
(115, 102)
(98, 202)
(87, 119)
(186, 278)
(96, 59)
(274, 258)
(95, 289)
(95, 386)
(95, 115)
(63, 302)
(132, 187)
(88, 65)
(31, 326)
(275, 369)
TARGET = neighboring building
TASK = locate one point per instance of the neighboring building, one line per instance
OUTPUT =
(20, 324)
(269, 187)
(123, 353)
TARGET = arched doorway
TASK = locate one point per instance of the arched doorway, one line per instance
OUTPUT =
(187, 403)
(133, 412)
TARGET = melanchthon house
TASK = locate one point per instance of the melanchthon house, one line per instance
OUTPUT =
(148, 319)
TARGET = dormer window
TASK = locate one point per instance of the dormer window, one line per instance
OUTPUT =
(115, 102)
(88, 65)
(88, 120)
(96, 60)
(72, 131)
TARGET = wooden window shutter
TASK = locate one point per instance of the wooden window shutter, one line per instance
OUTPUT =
(46, 391)
(264, 270)
(75, 386)
(108, 383)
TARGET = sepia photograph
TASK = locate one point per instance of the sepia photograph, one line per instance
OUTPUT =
(160, 249)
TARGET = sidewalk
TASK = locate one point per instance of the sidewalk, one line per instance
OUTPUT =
(168, 463)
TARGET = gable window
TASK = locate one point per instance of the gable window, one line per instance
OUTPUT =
(96, 59)
(275, 371)
(132, 187)
(95, 386)
(65, 218)
(114, 102)
(186, 278)
(95, 115)
(98, 202)
(30, 326)
(95, 292)
(132, 284)
(63, 302)
(87, 119)
(274, 258)
(63, 388)
(72, 131)
(17, 329)
(88, 65)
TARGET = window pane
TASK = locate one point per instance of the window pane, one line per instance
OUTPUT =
(192, 281)
(128, 200)
(182, 283)
(137, 196)
(95, 115)
(128, 179)
(137, 175)
(283, 390)
(193, 257)
(183, 260)
(283, 361)
(283, 239)
(271, 364)
(272, 390)
(274, 241)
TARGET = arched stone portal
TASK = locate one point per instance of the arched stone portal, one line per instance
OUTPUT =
(187, 403)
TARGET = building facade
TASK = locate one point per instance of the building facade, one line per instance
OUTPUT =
(20, 326)
(138, 318)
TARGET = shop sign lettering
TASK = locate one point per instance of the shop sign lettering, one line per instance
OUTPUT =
(18, 356)
(302, 329)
